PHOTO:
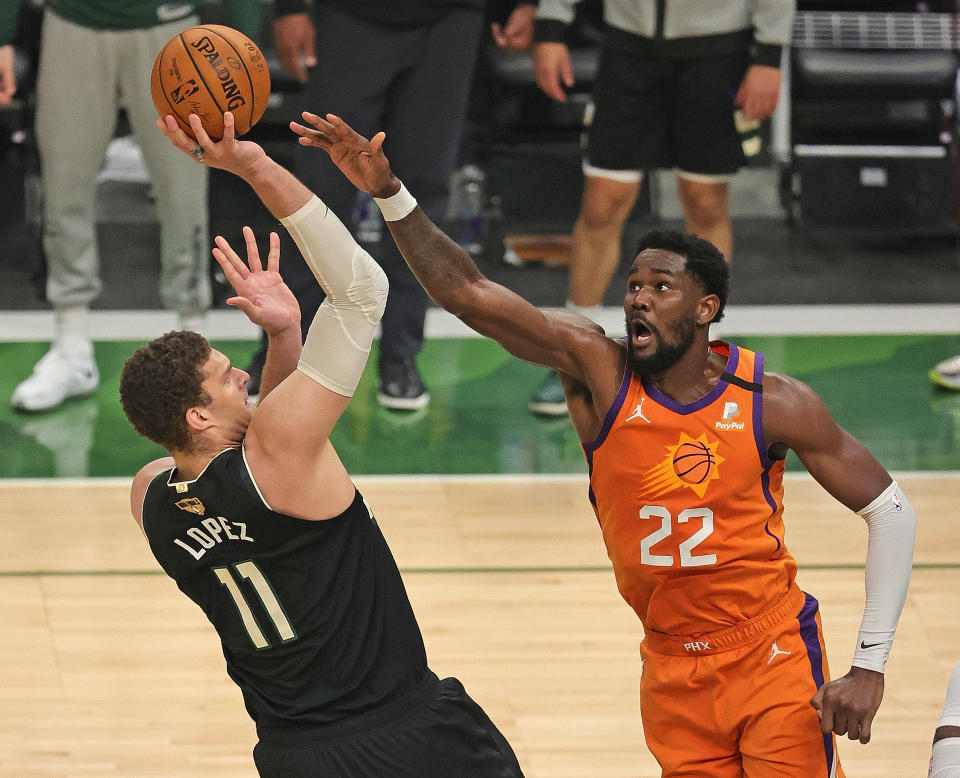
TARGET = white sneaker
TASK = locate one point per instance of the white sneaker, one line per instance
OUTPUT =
(124, 162)
(947, 373)
(58, 376)
(195, 322)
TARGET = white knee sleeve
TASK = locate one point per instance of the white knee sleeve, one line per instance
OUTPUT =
(337, 345)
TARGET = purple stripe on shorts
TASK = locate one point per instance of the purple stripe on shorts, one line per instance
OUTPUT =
(811, 639)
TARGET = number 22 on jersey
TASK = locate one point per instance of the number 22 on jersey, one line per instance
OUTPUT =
(686, 548)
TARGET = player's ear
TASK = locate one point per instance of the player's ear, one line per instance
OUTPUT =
(198, 418)
(707, 309)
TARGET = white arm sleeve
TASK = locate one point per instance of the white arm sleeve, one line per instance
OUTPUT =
(338, 343)
(945, 761)
(951, 706)
(891, 527)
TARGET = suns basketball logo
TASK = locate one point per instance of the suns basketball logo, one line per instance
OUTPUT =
(693, 463)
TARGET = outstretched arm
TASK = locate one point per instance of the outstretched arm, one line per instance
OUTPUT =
(445, 270)
(795, 417)
(287, 444)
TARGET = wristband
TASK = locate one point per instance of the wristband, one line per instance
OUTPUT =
(397, 206)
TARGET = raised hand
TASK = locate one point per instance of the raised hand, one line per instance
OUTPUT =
(230, 154)
(360, 160)
(261, 294)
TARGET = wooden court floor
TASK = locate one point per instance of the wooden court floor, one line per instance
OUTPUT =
(107, 670)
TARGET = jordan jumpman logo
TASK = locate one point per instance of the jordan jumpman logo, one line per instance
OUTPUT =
(774, 651)
(638, 412)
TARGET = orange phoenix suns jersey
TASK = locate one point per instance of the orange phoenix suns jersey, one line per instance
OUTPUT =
(690, 503)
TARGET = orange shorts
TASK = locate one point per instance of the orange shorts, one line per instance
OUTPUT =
(737, 703)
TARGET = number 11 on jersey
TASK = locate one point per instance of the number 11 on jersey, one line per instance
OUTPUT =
(268, 599)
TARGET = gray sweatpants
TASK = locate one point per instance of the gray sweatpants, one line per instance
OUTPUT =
(84, 76)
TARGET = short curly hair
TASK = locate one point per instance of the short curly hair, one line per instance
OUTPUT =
(704, 261)
(160, 382)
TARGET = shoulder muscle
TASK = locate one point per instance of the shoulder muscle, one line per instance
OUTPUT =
(138, 488)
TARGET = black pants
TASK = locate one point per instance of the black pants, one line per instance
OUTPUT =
(413, 83)
(435, 732)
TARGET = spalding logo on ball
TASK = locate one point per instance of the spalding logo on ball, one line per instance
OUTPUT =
(207, 70)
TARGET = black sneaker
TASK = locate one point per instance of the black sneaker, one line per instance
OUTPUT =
(255, 369)
(401, 387)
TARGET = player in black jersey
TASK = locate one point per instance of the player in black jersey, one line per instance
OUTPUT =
(256, 519)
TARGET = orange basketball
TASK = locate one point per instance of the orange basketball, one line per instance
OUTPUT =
(207, 70)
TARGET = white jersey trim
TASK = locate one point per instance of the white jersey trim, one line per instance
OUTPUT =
(246, 464)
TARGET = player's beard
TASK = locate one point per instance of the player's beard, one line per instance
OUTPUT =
(667, 354)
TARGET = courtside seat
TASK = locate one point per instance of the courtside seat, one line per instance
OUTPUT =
(872, 127)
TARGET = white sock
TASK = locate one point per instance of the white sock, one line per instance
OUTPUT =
(592, 312)
(71, 333)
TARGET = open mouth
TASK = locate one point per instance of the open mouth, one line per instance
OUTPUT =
(640, 334)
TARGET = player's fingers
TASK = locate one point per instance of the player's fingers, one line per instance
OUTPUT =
(229, 270)
(253, 252)
(176, 134)
(865, 726)
(340, 128)
(826, 718)
(853, 730)
(318, 122)
(231, 256)
(816, 701)
(498, 37)
(310, 137)
(229, 124)
(273, 258)
(839, 723)
(243, 304)
(202, 138)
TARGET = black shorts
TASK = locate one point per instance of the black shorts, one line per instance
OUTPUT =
(436, 731)
(660, 113)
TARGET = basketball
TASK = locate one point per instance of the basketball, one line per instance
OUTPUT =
(692, 461)
(207, 70)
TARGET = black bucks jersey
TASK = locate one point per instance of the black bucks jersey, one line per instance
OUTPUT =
(313, 616)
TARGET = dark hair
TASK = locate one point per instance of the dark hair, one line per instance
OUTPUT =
(704, 261)
(160, 382)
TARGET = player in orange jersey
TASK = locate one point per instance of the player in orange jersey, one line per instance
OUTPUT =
(685, 441)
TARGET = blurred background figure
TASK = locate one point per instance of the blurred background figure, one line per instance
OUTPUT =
(675, 89)
(388, 66)
(96, 55)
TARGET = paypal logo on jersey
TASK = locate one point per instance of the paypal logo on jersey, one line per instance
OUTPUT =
(730, 411)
